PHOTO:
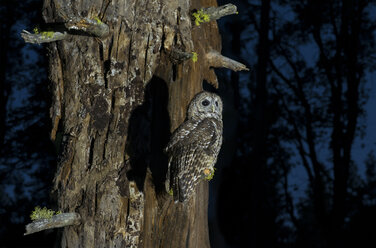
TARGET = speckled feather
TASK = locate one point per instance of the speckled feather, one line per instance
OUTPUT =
(194, 147)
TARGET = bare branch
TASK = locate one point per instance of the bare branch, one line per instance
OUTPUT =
(215, 59)
(299, 136)
(42, 37)
(60, 220)
(213, 13)
(288, 197)
(217, 12)
(91, 26)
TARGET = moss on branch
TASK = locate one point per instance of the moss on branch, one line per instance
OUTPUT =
(55, 221)
(43, 213)
(213, 13)
(42, 37)
(93, 27)
(75, 26)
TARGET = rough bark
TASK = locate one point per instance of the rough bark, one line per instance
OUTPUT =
(116, 99)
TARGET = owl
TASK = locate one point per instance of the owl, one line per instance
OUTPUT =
(194, 146)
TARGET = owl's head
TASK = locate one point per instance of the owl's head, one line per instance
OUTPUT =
(205, 105)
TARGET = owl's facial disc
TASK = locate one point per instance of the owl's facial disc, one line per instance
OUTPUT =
(205, 105)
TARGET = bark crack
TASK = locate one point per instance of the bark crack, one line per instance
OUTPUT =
(108, 126)
(187, 238)
(107, 2)
(55, 110)
(105, 66)
(91, 153)
(146, 57)
(129, 54)
(118, 41)
(96, 198)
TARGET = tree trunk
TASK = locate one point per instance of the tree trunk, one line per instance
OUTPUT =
(116, 99)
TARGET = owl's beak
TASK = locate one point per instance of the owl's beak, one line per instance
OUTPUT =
(213, 108)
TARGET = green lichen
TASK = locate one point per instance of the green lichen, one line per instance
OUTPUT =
(171, 192)
(98, 20)
(44, 34)
(42, 213)
(36, 30)
(47, 34)
(200, 17)
(194, 57)
(211, 175)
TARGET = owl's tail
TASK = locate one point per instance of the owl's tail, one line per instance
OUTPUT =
(180, 195)
(173, 185)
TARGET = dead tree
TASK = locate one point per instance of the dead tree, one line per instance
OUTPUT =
(123, 72)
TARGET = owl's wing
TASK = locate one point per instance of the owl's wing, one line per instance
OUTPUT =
(189, 151)
(172, 149)
(180, 133)
(191, 132)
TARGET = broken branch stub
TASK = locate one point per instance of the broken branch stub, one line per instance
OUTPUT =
(177, 56)
(94, 27)
(90, 26)
(215, 59)
(217, 12)
(213, 13)
(60, 220)
(42, 37)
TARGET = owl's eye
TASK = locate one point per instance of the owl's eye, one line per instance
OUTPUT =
(216, 103)
(205, 103)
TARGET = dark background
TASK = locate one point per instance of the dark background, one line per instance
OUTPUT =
(297, 167)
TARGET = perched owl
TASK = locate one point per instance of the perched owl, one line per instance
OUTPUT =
(194, 146)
